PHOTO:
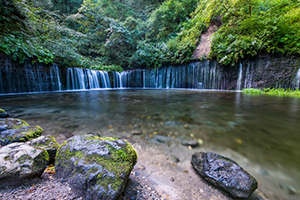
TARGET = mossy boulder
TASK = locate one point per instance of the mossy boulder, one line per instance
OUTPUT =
(95, 167)
(19, 161)
(16, 130)
(47, 143)
(3, 114)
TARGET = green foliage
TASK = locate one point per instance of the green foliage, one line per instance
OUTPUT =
(254, 26)
(150, 54)
(165, 21)
(116, 68)
(273, 91)
(105, 34)
(19, 48)
(252, 91)
(66, 6)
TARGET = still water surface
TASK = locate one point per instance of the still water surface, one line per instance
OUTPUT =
(262, 129)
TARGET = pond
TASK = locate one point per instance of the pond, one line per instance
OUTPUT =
(262, 130)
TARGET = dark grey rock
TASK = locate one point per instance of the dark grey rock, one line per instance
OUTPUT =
(4, 115)
(95, 167)
(225, 174)
(162, 139)
(191, 143)
(16, 130)
(19, 161)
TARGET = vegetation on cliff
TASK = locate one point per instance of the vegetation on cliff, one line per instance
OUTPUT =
(109, 34)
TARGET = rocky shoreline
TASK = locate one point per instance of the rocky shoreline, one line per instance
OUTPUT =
(162, 176)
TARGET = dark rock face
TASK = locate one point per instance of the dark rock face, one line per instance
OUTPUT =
(95, 167)
(4, 115)
(16, 130)
(224, 174)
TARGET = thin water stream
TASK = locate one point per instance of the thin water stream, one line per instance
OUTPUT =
(262, 130)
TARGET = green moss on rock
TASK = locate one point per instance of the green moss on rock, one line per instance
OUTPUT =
(17, 130)
(96, 166)
(47, 143)
(2, 111)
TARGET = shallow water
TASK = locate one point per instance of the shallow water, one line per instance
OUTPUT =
(264, 130)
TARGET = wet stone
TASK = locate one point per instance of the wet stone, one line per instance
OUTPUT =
(191, 143)
(162, 139)
(224, 174)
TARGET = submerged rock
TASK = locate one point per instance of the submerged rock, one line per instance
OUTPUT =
(191, 143)
(162, 139)
(47, 143)
(16, 130)
(224, 174)
(95, 167)
(3, 114)
(19, 161)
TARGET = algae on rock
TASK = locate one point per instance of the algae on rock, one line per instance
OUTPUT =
(16, 130)
(47, 143)
(96, 167)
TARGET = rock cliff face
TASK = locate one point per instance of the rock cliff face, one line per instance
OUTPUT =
(266, 70)
(271, 71)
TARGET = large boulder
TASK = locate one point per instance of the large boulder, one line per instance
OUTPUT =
(47, 143)
(95, 167)
(19, 161)
(225, 174)
(16, 130)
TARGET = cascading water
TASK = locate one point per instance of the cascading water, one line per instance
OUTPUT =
(239, 81)
(298, 79)
(248, 76)
(34, 78)
(28, 77)
(78, 79)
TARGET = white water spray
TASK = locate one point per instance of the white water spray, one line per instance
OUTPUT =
(239, 81)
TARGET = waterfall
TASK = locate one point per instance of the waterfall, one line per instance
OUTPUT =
(35, 78)
(55, 77)
(239, 81)
(298, 79)
(28, 77)
(79, 79)
(248, 77)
